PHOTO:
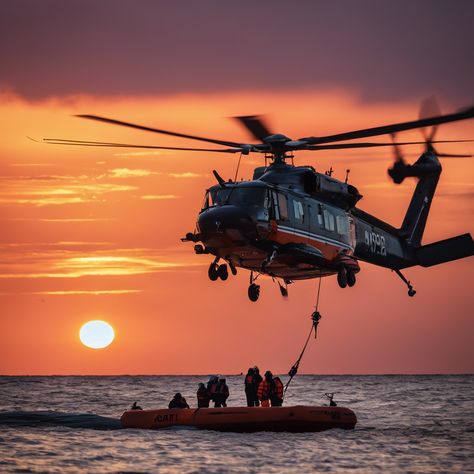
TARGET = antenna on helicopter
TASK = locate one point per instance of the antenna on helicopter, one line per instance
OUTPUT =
(347, 175)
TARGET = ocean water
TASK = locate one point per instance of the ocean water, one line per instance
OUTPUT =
(406, 424)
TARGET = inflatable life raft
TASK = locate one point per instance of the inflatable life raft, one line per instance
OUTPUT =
(244, 419)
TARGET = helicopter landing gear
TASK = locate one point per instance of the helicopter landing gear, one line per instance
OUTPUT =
(351, 277)
(411, 291)
(213, 271)
(219, 271)
(222, 272)
(232, 268)
(254, 290)
(342, 277)
(283, 290)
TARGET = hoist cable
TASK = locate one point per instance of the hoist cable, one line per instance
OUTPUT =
(315, 317)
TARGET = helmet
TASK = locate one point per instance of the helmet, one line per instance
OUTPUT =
(178, 395)
(268, 373)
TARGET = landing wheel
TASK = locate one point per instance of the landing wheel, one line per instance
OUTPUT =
(411, 292)
(351, 277)
(342, 277)
(222, 272)
(213, 272)
(254, 292)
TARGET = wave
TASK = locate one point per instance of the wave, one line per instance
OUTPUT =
(57, 418)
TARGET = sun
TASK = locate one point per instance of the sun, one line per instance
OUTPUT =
(96, 334)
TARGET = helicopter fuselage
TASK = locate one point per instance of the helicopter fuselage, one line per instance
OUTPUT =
(284, 231)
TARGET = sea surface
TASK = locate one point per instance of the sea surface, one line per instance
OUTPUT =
(406, 424)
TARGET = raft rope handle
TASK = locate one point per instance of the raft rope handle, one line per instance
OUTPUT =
(315, 317)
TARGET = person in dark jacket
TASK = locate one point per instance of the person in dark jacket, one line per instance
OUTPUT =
(178, 402)
(222, 394)
(250, 391)
(212, 387)
(257, 378)
(203, 397)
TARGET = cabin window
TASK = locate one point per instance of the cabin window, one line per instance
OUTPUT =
(298, 208)
(283, 207)
(276, 207)
(341, 225)
(328, 220)
(320, 215)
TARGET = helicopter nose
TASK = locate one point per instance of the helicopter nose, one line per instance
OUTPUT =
(230, 221)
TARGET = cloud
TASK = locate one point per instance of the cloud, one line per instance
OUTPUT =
(364, 45)
(44, 190)
(66, 220)
(39, 262)
(158, 197)
(143, 153)
(130, 173)
(187, 174)
(75, 292)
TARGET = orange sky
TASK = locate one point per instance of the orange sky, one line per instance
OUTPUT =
(91, 233)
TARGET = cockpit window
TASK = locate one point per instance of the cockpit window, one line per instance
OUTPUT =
(242, 197)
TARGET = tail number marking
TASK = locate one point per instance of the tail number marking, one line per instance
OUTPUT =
(375, 242)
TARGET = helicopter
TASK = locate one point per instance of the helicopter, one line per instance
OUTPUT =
(293, 223)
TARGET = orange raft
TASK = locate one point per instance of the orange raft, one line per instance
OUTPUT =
(244, 419)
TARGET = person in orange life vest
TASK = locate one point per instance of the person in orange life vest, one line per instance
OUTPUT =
(265, 389)
(276, 398)
(178, 402)
(203, 397)
(257, 378)
(222, 394)
(212, 387)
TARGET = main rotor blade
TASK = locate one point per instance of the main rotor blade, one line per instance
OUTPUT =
(255, 125)
(386, 129)
(157, 130)
(60, 141)
(451, 155)
(340, 146)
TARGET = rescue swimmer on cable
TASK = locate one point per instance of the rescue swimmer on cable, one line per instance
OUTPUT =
(293, 223)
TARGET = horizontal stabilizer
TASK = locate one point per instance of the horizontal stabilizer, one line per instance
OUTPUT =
(445, 250)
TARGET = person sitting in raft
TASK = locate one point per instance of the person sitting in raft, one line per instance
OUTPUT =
(136, 407)
(203, 397)
(270, 390)
(222, 393)
(178, 402)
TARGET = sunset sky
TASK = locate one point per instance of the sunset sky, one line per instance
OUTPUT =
(94, 233)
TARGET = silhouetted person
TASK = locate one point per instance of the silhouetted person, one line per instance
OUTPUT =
(203, 397)
(276, 395)
(136, 407)
(178, 402)
(250, 391)
(212, 387)
(222, 394)
(270, 390)
(257, 378)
